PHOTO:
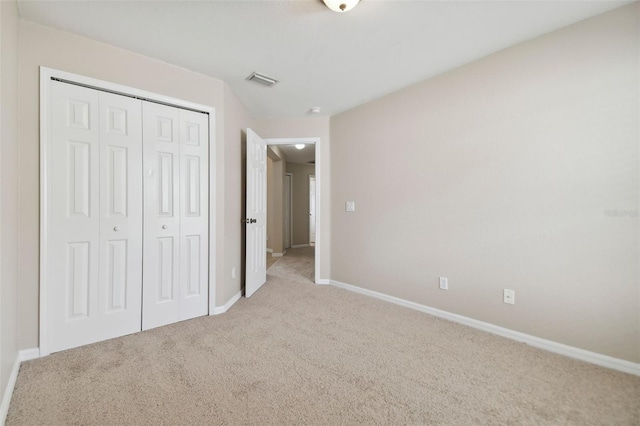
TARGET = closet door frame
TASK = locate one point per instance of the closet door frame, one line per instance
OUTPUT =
(47, 75)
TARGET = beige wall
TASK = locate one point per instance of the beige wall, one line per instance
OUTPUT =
(300, 217)
(499, 174)
(56, 49)
(269, 202)
(236, 121)
(275, 201)
(305, 128)
(8, 191)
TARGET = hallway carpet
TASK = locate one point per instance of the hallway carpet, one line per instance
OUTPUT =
(298, 353)
(271, 260)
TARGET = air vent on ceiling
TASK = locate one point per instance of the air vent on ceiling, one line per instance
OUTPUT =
(262, 79)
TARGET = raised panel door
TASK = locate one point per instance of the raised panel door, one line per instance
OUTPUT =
(161, 252)
(74, 217)
(256, 213)
(120, 215)
(194, 214)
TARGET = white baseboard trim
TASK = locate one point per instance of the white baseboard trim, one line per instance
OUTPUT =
(277, 254)
(269, 250)
(299, 245)
(222, 309)
(551, 346)
(29, 354)
(8, 392)
(323, 281)
(23, 355)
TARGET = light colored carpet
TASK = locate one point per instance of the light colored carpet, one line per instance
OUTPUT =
(297, 353)
(271, 260)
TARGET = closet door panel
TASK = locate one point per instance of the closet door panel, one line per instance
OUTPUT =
(74, 217)
(161, 258)
(194, 214)
(121, 215)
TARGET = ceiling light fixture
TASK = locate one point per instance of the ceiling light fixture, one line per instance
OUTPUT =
(341, 5)
(299, 146)
(314, 110)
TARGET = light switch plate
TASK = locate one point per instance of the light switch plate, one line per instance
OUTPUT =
(350, 206)
(509, 296)
(444, 283)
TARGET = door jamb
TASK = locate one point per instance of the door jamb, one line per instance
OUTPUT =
(290, 209)
(316, 208)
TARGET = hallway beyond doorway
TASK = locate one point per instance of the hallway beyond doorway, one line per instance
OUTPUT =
(297, 264)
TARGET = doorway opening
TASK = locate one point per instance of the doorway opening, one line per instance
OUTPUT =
(300, 199)
(267, 157)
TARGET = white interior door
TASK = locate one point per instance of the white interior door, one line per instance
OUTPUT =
(176, 230)
(95, 215)
(74, 221)
(120, 297)
(287, 210)
(256, 213)
(161, 260)
(194, 214)
(110, 161)
(312, 209)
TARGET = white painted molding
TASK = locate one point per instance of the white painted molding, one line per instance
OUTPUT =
(8, 392)
(222, 309)
(23, 355)
(277, 254)
(548, 345)
(323, 281)
(29, 354)
(269, 250)
(299, 245)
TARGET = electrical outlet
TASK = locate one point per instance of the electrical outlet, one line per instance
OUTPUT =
(509, 296)
(444, 283)
(233, 273)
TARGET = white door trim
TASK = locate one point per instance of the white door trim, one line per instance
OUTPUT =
(315, 209)
(46, 75)
(317, 143)
(290, 211)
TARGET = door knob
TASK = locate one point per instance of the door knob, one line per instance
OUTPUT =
(116, 228)
(164, 226)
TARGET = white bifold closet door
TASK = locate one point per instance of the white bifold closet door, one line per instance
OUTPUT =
(127, 219)
(176, 233)
(94, 220)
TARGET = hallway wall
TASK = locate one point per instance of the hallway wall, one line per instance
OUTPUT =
(300, 217)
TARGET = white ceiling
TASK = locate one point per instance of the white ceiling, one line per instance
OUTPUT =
(295, 155)
(322, 58)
